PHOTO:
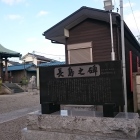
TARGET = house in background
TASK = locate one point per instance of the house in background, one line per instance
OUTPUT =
(11, 63)
(54, 63)
(35, 59)
(17, 72)
(28, 67)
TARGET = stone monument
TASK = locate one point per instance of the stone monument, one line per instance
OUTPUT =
(32, 85)
(82, 84)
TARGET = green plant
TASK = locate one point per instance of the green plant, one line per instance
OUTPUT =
(24, 81)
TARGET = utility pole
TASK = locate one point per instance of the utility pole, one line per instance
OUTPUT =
(123, 55)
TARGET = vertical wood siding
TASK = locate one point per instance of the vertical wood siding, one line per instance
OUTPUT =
(99, 33)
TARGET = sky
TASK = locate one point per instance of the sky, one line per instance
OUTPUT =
(22, 22)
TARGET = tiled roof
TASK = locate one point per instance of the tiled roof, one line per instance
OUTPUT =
(39, 57)
(51, 64)
(19, 67)
(27, 66)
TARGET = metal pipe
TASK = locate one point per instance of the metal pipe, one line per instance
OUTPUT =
(112, 42)
(123, 56)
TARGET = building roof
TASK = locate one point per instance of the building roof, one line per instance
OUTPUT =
(19, 67)
(13, 62)
(39, 57)
(28, 67)
(50, 64)
(4, 52)
(56, 33)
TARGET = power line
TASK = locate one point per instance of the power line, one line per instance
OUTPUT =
(47, 54)
(134, 16)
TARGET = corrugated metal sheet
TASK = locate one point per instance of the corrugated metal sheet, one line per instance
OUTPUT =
(51, 64)
(19, 67)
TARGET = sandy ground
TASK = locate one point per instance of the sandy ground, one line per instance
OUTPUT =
(18, 101)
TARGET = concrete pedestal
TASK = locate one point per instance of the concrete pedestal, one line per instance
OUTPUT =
(82, 125)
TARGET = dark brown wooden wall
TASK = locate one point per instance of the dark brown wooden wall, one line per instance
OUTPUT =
(18, 75)
(129, 47)
(99, 33)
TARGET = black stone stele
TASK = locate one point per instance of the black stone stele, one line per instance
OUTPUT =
(110, 110)
(82, 84)
(48, 108)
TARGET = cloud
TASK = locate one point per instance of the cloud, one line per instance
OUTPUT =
(14, 17)
(42, 13)
(129, 19)
(11, 2)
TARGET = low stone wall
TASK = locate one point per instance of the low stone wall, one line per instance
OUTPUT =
(4, 90)
(41, 135)
(57, 127)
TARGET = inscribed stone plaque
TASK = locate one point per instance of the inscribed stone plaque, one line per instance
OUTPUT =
(87, 84)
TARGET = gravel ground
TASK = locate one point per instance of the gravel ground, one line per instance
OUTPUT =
(18, 101)
(13, 112)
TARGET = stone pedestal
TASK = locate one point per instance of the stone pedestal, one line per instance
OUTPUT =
(81, 125)
(79, 107)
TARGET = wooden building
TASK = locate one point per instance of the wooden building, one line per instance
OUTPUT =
(30, 58)
(86, 36)
(17, 72)
(4, 55)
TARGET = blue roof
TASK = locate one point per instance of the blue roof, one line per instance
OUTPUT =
(18, 67)
(51, 64)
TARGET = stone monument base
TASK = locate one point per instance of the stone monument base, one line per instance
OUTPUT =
(81, 125)
(41, 135)
(79, 107)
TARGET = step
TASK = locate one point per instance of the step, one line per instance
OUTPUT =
(14, 87)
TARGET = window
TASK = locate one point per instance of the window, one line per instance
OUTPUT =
(80, 53)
